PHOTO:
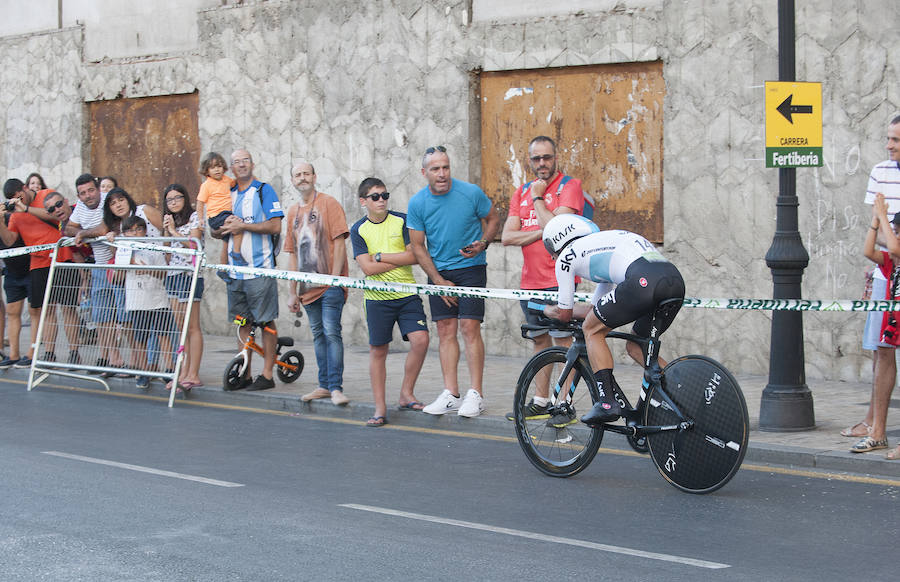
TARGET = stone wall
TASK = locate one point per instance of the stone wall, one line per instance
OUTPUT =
(363, 88)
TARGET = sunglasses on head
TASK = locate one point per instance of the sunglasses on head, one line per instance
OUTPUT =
(55, 207)
(431, 150)
(378, 196)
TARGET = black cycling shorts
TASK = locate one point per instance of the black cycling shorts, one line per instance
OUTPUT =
(646, 285)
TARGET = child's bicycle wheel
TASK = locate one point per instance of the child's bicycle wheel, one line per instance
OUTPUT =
(232, 380)
(294, 359)
(555, 441)
(704, 457)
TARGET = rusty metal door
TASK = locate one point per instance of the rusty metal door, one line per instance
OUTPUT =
(147, 144)
(607, 121)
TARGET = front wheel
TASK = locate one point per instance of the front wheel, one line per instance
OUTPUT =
(705, 455)
(554, 440)
(233, 378)
(289, 372)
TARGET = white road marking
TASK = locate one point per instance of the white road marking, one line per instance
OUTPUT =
(144, 469)
(542, 537)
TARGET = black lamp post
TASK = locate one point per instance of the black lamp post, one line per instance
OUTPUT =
(787, 403)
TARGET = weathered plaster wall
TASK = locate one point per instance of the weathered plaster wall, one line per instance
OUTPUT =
(364, 88)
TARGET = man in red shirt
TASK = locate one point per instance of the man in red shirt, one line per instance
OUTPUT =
(530, 209)
(30, 221)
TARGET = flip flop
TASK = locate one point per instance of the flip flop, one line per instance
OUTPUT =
(414, 405)
(376, 421)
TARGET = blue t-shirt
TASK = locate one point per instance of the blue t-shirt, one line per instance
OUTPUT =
(257, 249)
(450, 222)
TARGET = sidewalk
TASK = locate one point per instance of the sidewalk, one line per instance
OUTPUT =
(836, 404)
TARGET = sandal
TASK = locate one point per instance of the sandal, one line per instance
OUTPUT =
(867, 444)
(893, 455)
(852, 431)
(376, 421)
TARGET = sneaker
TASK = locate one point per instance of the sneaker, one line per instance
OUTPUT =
(261, 383)
(7, 363)
(143, 382)
(444, 403)
(338, 398)
(316, 395)
(532, 411)
(472, 405)
(23, 363)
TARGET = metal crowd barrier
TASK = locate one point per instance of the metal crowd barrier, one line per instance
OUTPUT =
(116, 312)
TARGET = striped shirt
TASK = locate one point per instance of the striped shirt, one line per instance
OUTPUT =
(388, 236)
(885, 179)
(257, 249)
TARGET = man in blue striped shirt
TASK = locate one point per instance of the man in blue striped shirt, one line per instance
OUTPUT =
(257, 212)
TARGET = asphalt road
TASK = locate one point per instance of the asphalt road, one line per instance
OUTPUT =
(113, 488)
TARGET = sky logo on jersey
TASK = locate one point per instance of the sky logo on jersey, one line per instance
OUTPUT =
(643, 282)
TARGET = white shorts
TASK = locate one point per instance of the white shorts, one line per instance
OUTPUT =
(872, 333)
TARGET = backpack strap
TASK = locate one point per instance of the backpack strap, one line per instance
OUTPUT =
(276, 238)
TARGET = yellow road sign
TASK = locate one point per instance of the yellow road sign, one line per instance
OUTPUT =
(793, 124)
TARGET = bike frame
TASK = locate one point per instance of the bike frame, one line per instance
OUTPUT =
(652, 379)
(250, 344)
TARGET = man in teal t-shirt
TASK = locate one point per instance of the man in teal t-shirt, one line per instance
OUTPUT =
(458, 221)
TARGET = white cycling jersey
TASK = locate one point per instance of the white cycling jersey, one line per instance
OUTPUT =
(602, 257)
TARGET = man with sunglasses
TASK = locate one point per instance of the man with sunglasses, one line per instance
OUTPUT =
(314, 243)
(29, 220)
(458, 220)
(530, 209)
(381, 247)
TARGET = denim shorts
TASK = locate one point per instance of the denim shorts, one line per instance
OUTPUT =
(177, 286)
(872, 331)
(107, 299)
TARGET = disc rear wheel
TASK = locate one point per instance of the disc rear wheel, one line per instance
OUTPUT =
(708, 450)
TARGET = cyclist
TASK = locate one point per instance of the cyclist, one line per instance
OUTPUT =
(641, 277)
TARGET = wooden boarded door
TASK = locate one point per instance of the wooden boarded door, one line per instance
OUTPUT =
(147, 144)
(607, 121)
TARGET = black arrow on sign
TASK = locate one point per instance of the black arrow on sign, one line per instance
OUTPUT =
(787, 109)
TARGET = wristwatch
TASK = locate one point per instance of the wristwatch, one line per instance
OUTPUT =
(377, 257)
(533, 198)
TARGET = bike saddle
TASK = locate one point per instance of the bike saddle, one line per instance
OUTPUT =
(285, 341)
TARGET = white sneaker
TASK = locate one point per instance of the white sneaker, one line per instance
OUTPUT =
(444, 403)
(472, 405)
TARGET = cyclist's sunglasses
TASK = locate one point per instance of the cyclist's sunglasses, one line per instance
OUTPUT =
(378, 196)
(431, 150)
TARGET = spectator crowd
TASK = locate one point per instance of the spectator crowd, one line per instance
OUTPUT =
(445, 231)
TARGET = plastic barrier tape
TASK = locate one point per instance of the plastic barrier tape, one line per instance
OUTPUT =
(488, 293)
